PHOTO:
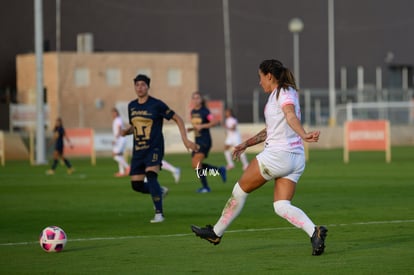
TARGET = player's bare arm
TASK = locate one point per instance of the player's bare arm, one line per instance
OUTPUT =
(181, 127)
(258, 138)
(127, 131)
(295, 124)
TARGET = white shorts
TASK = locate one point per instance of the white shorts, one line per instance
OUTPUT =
(281, 164)
(119, 146)
(232, 140)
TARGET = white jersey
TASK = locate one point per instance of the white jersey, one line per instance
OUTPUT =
(233, 137)
(117, 126)
(119, 141)
(280, 137)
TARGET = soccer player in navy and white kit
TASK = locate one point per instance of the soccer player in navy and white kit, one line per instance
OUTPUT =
(202, 120)
(233, 138)
(118, 144)
(282, 159)
(146, 115)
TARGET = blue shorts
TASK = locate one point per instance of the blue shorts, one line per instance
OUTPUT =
(204, 148)
(59, 148)
(141, 161)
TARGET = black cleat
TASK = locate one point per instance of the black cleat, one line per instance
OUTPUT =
(206, 233)
(318, 240)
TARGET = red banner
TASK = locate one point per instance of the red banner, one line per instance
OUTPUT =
(367, 135)
(82, 141)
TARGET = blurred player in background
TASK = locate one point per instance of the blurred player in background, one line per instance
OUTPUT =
(146, 116)
(175, 171)
(59, 137)
(233, 138)
(118, 144)
(282, 159)
(202, 120)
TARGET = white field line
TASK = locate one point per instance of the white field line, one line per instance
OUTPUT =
(229, 231)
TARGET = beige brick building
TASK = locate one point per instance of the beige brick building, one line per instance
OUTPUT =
(83, 87)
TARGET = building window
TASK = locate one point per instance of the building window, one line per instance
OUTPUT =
(174, 77)
(113, 77)
(82, 77)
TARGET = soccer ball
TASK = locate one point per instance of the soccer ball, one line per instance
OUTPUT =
(52, 239)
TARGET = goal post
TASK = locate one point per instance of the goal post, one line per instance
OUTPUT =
(367, 135)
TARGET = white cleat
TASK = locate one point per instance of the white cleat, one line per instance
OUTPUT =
(164, 191)
(177, 175)
(158, 218)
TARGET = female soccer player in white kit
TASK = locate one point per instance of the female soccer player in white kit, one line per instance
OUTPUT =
(118, 144)
(282, 159)
(233, 138)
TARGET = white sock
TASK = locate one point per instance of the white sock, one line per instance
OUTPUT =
(168, 166)
(243, 159)
(231, 210)
(121, 163)
(294, 215)
(227, 155)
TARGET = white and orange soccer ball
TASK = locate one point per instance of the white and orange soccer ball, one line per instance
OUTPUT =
(53, 239)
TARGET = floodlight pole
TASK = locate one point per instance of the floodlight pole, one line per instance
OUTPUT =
(58, 50)
(227, 54)
(40, 119)
(331, 53)
(296, 26)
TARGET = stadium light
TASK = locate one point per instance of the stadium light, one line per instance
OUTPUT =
(295, 27)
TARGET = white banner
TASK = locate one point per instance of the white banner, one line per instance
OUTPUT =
(23, 115)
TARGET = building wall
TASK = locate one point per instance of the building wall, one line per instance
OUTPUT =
(368, 33)
(90, 105)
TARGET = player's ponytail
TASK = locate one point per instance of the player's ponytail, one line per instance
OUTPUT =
(283, 75)
(287, 79)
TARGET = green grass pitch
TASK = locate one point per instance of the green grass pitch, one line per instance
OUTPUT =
(367, 205)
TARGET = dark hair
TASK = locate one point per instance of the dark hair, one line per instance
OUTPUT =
(58, 121)
(203, 100)
(283, 75)
(142, 77)
(231, 111)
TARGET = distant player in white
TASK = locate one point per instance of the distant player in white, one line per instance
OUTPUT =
(118, 144)
(175, 171)
(233, 138)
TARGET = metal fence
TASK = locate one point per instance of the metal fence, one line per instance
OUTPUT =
(395, 105)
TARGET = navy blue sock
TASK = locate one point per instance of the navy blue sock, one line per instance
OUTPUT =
(140, 186)
(55, 163)
(67, 163)
(155, 190)
(203, 180)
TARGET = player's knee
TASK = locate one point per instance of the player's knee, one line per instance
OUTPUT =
(281, 207)
(151, 175)
(138, 185)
